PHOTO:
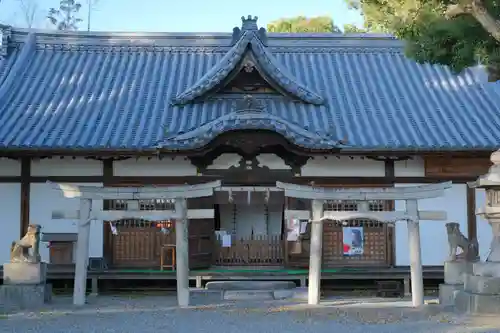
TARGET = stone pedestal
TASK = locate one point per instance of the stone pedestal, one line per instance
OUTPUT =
(481, 292)
(24, 286)
(454, 272)
(24, 273)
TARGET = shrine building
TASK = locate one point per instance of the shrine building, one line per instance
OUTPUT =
(248, 108)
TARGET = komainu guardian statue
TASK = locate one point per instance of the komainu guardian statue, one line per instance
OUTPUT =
(19, 251)
(457, 240)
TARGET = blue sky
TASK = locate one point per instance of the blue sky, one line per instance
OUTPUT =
(183, 15)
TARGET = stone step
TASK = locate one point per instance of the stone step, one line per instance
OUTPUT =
(263, 295)
(250, 285)
(476, 284)
(205, 296)
(477, 303)
(447, 293)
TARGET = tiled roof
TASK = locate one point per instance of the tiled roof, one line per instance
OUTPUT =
(118, 91)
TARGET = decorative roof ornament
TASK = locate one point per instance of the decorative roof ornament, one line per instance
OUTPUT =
(5, 33)
(249, 104)
(249, 24)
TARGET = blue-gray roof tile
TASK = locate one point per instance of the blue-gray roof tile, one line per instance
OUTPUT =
(115, 91)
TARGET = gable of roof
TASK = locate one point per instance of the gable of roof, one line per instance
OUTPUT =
(113, 91)
(250, 43)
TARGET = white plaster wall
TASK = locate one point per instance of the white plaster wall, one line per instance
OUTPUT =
(433, 238)
(410, 168)
(484, 233)
(272, 161)
(343, 166)
(225, 161)
(44, 200)
(66, 167)
(10, 206)
(9, 167)
(179, 166)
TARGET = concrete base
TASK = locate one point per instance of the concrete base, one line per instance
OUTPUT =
(250, 285)
(454, 270)
(14, 297)
(447, 293)
(477, 303)
(24, 273)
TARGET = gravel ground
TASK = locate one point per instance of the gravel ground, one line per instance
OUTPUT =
(144, 314)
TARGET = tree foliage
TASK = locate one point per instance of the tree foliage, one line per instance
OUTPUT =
(352, 28)
(66, 16)
(457, 33)
(303, 24)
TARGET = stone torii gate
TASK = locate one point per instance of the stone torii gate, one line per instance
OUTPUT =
(410, 194)
(131, 194)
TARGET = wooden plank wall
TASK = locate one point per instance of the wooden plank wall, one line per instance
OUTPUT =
(445, 167)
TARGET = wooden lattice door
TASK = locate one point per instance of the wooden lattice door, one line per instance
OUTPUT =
(138, 243)
(377, 237)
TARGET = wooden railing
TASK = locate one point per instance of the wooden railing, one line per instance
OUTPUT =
(250, 251)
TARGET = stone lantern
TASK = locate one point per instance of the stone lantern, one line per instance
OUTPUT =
(481, 292)
(491, 212)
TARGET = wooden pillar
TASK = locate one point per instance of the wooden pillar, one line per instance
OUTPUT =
(82, 252)
(471, 213)
(182, 253)
(25, 195)
(417, 279)
(316, 250)
(107, 245)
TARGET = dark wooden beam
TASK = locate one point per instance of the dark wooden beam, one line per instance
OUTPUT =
(239, 178)
(471, 213)
(123, 153)
(25, 195)
(107, 180)
(389, 169)
(107, 171)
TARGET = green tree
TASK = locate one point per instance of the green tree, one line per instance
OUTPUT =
(303, 24)
(457, 33)
(351, 28)
(66, 16)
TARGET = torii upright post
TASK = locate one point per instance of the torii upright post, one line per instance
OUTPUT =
(316, 251)
(82, 252)
(417, 278)
(182, 252)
